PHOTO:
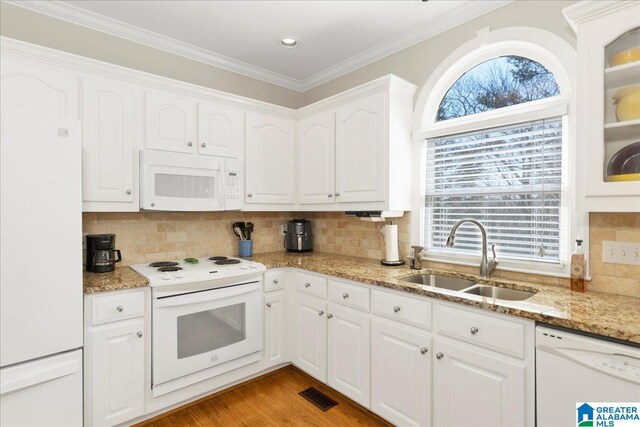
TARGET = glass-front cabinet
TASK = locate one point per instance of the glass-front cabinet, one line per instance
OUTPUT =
(608, 105)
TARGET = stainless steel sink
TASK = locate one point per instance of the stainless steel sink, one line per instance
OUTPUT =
(443, 282)
(499, 293)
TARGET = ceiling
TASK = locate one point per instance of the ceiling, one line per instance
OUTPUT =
(335, 37)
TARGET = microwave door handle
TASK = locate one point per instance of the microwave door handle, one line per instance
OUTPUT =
(204, 296)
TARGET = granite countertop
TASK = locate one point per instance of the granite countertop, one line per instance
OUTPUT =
(118, 280)
(609, 315)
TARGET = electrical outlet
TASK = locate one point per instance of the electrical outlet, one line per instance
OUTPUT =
(621, 252)
(283, 229)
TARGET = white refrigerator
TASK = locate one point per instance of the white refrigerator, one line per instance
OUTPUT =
(40, 271)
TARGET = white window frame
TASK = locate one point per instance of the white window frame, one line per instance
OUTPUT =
(559, 58)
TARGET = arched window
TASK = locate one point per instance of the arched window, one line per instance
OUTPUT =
(494, 138)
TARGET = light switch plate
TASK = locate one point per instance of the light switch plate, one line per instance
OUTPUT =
(621, 252)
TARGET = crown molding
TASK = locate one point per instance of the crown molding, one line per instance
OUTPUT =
(467, 11)
(588, 10)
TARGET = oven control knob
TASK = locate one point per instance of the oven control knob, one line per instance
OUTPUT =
(166, 276)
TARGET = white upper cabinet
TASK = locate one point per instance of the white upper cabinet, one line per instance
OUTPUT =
(607, 132)
(270, 160)
(316, 159)
(108, 121)
(360, 150)
(38, 90)
(170, 123)
(220, 130)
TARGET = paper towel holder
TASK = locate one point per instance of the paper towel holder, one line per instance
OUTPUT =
(392, 246)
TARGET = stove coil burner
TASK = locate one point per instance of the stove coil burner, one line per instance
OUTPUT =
(218, 258)
(228, 261)
(169, 268)
(163, 264)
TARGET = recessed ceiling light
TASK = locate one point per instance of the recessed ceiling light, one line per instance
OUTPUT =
(288, 42)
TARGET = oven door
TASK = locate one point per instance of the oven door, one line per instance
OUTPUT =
(180, 182)
(199, 330)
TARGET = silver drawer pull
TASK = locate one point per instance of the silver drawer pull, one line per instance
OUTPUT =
(268, 304)
(329, 316)
(307, 285)
(203, 145)
(189, 143)
(473, 330)
(345, 295)
(329, 195)
(249, 195)
(139, 334)
(275, 281)
(119, 308)
(439, 356)
(424, 350)
(320, 313)
(128, 191)
(396, 309)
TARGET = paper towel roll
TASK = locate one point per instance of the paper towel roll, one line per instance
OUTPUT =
(391, 242)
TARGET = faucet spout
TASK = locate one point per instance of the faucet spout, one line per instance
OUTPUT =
(486, 266)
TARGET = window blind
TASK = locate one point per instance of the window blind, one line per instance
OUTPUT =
(508, 178)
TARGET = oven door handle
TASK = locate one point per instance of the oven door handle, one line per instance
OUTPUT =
(213, 295)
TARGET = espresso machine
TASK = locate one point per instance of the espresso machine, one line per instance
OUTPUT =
(101, 253)
(299, 237)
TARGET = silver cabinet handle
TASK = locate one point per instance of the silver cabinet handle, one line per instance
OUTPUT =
(439, 355)
(329, 316)
(329, 195)
(345, 295)
(307, 285)
(119, 308)
(269, 304)
(153, 204)
(396, 309)
(189, 143)
(473, 330)
(337, 194)
(320, 313)
(128, 191)
(424, 350)
(203, 145)
(249, 195)
(275, 281)
(139, 334)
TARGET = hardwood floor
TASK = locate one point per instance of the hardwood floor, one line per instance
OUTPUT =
(270, 400)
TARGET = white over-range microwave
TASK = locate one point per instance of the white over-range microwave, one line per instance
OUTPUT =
(189, 182)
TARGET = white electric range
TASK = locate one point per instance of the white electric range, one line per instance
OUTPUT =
(206, 318)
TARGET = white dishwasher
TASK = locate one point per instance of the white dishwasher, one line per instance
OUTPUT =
(572, 368)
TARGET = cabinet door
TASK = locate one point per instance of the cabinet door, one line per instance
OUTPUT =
(117, 373)
(220, 130)
(274, 329)
(310, 352)
(38, 90)
(491, 389)
(360, 150)
(107, 141)
(170, 123)
(270, 160)
(400, 374)
(316, 159)
(348, 362)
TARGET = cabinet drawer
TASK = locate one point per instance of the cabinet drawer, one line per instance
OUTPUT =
(311, 284)
(110, 308)
(404, 309)
(349, 295)
(273, 280)
(501, 335)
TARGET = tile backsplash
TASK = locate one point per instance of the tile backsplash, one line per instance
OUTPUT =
(151, 236)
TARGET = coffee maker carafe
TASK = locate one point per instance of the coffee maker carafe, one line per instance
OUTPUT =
(101, 255)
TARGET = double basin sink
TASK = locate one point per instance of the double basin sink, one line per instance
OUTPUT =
(469, 287)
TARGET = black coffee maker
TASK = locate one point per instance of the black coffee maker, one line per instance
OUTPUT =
(299, 237)
(101, 253)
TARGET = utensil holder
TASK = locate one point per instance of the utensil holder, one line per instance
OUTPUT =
(245, 248)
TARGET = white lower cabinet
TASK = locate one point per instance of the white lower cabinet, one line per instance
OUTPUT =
(310, 339)
(473, 386)
(348, 358)
(400, 373)
(116, 373)
(274, 329)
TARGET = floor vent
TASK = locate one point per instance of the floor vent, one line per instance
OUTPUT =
(319, 399)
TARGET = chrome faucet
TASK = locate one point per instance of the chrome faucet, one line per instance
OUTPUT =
(486, 266)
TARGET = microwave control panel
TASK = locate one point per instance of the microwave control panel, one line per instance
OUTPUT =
(232, 190)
